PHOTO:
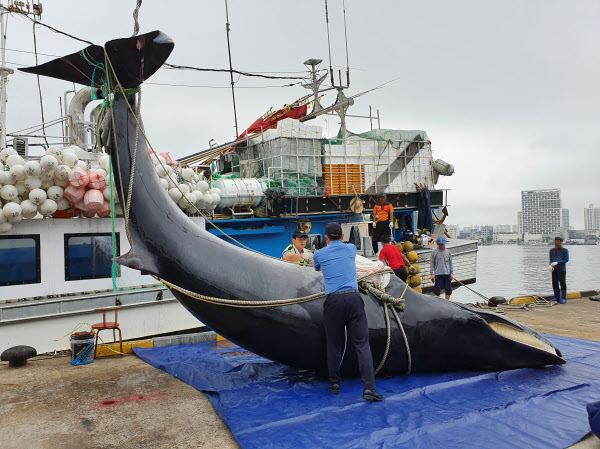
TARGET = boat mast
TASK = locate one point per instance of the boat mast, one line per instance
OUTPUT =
(36, 12)
(4, 72)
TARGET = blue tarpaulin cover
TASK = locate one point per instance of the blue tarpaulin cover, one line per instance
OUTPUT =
(269, 405)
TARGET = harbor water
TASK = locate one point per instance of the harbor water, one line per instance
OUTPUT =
(515, 270)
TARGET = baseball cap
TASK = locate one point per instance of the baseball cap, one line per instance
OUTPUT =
(298, 233)
(441, 241)
(558, 238)
(333, 230)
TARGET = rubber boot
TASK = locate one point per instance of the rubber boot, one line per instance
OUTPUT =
(556, 295)
(563, 297)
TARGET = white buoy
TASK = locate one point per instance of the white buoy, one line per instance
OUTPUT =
(3, 176)
(161, 170)
(6, 226)
(104, 161)
(6, 152)
(157, 159)
(33, 168)
(70, 159)
(14, 159)
(37, 196)
(49, 163)
(63, 204)
(12, 211)
(55, 193)
(47, 175)
(163, 182)
(184, 188)
(47, 184)
(31, 182)
(9, 192)
(28, 209)
(2, 216)
(22, 188)
(62, 172)
(82, 164)
(187, 174)
(17, 172)
(61, 182)
(48, 207)
(202, 186)
(175, 194)
(199, 195)
(56, 152)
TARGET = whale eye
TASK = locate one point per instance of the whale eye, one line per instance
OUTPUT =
(515, 334)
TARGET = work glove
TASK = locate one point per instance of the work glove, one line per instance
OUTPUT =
(374, 224)
(308, 256)
(554, 264)
(391, 225)
(551, 268)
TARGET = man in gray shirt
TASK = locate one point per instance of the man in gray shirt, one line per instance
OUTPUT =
(440, 268)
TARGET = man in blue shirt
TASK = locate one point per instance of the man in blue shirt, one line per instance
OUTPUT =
(344, 307)
(559, 257)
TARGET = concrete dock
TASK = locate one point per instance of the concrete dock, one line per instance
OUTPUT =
(120, 401)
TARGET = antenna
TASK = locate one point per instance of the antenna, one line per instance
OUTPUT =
(328, 43)
(231, 70)
(316, 82)
(346, 38)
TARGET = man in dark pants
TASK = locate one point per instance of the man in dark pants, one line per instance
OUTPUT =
(383, 219)
(344, 307)
(559, 257)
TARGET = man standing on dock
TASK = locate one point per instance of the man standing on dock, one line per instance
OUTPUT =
(559, 257)
(344, 307)
(383, 218)
(440, 268)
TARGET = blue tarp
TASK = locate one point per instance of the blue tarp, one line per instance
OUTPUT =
(268, 405)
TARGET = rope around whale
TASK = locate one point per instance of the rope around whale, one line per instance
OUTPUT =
(382, 296)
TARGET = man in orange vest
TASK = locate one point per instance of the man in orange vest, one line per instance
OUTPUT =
(383, 218)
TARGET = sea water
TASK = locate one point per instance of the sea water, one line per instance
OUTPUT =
(515, 270)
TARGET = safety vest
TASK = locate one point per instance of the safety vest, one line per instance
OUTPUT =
(293, 250)
(383, 213)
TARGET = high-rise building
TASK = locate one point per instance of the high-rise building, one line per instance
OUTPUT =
(453, 231)
(591, 218)
(515, 229)
(503, 228)
(541, 211)
(520, 223)
(564, 219)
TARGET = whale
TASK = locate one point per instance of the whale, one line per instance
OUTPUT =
(441, 336)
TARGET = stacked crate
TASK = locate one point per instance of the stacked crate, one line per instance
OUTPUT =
(344, 179)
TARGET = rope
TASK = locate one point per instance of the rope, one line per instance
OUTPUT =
(260, 304)
(393, 303)
(136, 12)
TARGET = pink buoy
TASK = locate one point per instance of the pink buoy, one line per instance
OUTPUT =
(74, 194)
(93, 199)
(167, 157)
(97, 181)
(79, 177)
(104, 211)
(81, 206)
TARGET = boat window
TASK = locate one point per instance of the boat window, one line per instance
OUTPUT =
(19, 259)
(89, 256)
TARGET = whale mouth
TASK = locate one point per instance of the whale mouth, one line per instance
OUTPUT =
(513, 330)
(515, 334)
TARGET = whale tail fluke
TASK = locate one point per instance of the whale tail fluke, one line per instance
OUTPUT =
(134, 60)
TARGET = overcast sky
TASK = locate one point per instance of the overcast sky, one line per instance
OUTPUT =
(509, 92)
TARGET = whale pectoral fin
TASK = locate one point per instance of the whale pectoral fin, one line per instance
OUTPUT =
(137, 261)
